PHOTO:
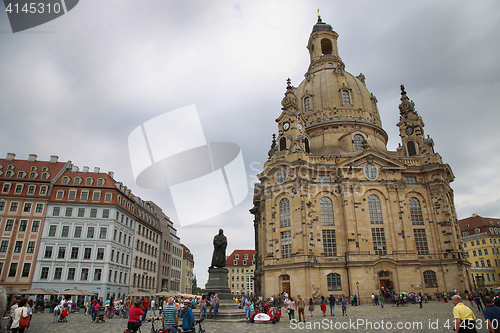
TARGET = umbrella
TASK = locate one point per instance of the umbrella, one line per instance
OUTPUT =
(36, 291)
(89, 293)
(51, 292)
(167, 294)
(139, 294)
(75, 292)
(13, 291)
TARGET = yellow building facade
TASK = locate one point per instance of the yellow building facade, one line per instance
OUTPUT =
(335, 211)
(481, 242)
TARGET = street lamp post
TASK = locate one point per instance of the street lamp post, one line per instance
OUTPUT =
(357, 285)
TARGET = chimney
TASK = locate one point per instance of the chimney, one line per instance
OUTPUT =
(74, 168)
(96, 169)
(53, 159)
(85, 169)
(32, 158)
(10, 156)
(111, 174)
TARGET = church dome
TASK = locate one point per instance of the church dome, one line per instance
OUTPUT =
(334, 101)
(321, 26)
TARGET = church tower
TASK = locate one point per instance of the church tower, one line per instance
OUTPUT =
(335, 210)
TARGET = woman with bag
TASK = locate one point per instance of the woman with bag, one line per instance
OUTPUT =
(21, 318)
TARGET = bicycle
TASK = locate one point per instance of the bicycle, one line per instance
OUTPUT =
(153, 329)
(201, 327)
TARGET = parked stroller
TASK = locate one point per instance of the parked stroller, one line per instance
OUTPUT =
(100, 315)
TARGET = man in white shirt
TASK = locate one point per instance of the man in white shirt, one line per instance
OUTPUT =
(153, 306)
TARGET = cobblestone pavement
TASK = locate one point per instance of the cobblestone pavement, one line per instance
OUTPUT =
(366, 318)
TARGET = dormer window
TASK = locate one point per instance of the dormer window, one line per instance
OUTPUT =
(100, 182)
(346, 98)
(77, 181)
(477, 230)
(89, 181)
(65, 180)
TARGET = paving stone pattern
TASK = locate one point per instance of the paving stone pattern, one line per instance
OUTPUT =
(358, 320)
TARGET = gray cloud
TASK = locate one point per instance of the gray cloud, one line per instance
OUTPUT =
(109, 66)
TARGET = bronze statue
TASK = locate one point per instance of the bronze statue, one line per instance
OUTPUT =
(219, 255)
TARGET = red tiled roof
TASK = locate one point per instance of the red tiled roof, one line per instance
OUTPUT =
(241, 254)
(25, 165)
(483, 223)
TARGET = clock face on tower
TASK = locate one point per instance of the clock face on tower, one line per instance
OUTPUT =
(286, 126)
(409, 130)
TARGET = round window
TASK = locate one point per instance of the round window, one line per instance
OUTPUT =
(280, 176)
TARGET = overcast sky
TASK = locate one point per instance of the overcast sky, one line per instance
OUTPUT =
(77, 86)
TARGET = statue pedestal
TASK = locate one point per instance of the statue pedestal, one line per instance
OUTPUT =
(218, 284)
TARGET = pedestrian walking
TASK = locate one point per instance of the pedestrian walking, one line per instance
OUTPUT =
(170, 316)
(420, 299)
(311, 306)
(290, 306)
(331, 299)
(20, 312)
(134, 315)
(187, 318)
(145, 306)
(464, 317)
(477, 300)
(216, 306)
(153, 304)
(323, 305)
(343, 304)
(301, 304)
(13, 307)
(381, 297)
(248, 308)
(203, 306)
(491, 314)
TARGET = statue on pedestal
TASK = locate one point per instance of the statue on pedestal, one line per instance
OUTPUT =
(219, 255)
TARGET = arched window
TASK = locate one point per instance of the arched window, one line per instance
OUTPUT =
(326, 46)
(412, 150)
(65, 180)
(284, 213)
(77, 181)
(430, 279)
(358, 142)
(345, 97)
(326, 211)
(306, 145)
(371, 171)
(282, 143)
(89, 181)
(334, 282)
(416, 212)
(307, 104)
(285, 277)
(375, 210)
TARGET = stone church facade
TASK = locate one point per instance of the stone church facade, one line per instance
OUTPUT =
(335, 211)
